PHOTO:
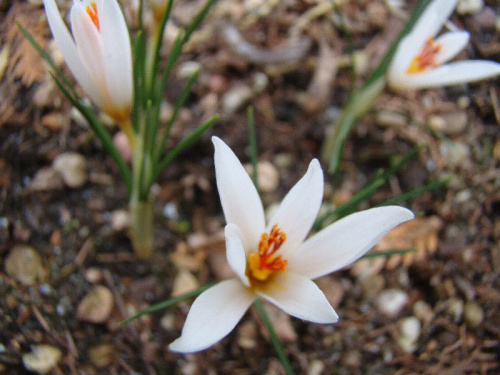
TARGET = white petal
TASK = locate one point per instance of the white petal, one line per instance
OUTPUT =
(344, 241)
(118, 56)
(454, 73)
(444, 9)
(235, 253)
(424, 27)
(408, 48)
(68, 48)
(429, 23)
(434, 16)
(298, 210)
(300, 297)
(91, 51)
(239, 198)
(213, 315)
(451, 44)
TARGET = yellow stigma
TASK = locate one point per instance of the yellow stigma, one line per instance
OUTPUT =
(92, 12)
(426, 58)
(264, 263)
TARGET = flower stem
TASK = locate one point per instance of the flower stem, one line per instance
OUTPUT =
(141, 225)
(274, 339)
(128, 130)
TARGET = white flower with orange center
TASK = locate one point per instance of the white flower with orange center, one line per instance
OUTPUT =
(272, 261)
(98, 53)
(420, 59)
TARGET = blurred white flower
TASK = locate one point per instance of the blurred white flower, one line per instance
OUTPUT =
(98, 52)
(419, 59)
(273, 261)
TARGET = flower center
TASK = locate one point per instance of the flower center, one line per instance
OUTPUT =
(426, 58)
(264, 263)
(92, 12)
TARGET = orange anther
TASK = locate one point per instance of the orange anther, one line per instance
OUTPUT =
(426, 58)
(265, 262)
(92, 12)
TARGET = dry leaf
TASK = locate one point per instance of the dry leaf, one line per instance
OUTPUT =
(25, 62)
(4, 59)
(24, 65)
(420, 233)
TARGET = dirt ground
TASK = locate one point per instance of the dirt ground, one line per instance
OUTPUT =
(436, 311)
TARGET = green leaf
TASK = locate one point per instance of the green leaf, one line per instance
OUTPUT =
(416, 192)
(178, 105)
(274, 338)
(389, 253)
(185, 142)
(139, 79)
(358, 104)
(168, 303)
(181, 39)
(158, 44)
(253, 146)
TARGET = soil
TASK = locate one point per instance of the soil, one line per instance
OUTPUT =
(449, 318)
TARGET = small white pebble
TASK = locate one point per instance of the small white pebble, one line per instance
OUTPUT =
(395, 6)
(170, 211)
(73, 169)
(473, 314)
(455, 154)
(187, 69)
(316, 367)
(409, 331)
(361, 62)
(235, 98)
(423, 311)
(42, 358)
(93, 275)
(96, 306)
(469, 6)
(436, 122)
(45, 289)
(463, 102)
(455, 308)
(463, 196)
(391, 301)
(260, 82)
(24, 264)
(267, 175)
(167, 322)
(120, 220)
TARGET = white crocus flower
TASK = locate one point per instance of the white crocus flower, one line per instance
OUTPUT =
(98, 52)
(420, 57)
(272, 261)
